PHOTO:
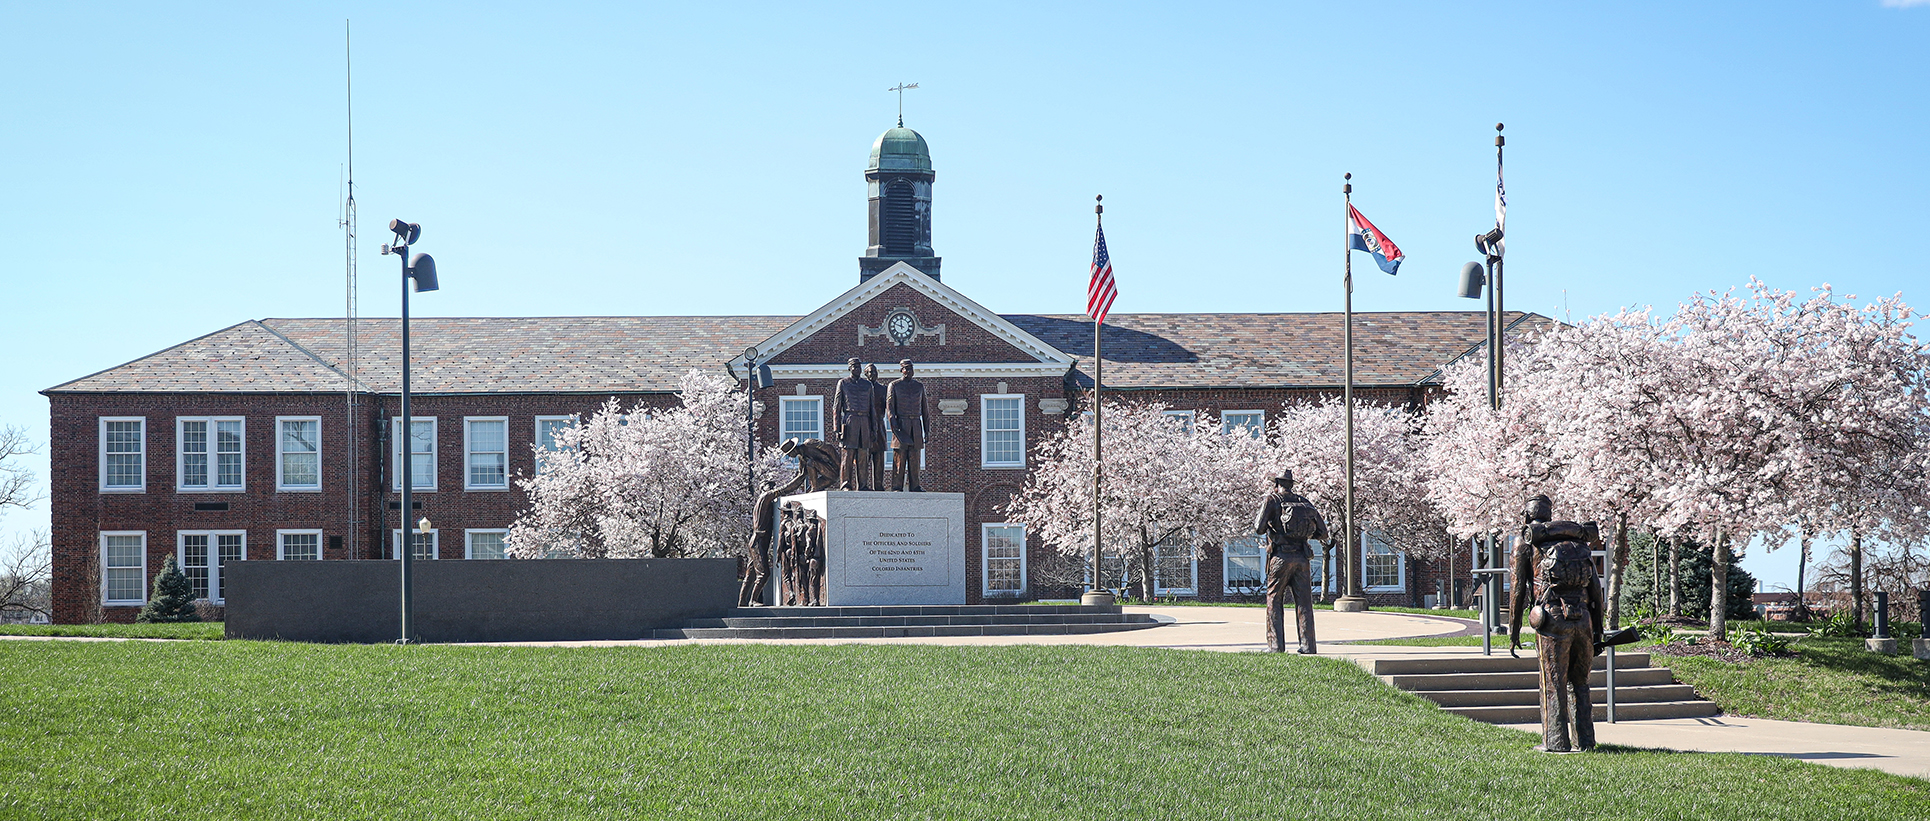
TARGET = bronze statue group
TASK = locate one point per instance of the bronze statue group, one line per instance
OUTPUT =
(1555, 585)
(862, 410)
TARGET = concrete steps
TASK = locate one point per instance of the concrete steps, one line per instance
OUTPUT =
(909, 621)
(1502, 690)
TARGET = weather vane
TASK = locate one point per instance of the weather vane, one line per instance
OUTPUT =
(901, 88)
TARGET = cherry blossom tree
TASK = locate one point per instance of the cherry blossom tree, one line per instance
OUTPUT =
(1168, 480)
(1390, 492)
(646, 482)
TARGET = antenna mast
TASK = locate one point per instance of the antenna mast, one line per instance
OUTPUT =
(349, 342)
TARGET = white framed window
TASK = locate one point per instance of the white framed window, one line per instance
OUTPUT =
(1176, 570)
(427, 545)
(209, 454)
(485, 452)
(422, 453)
(1004, 558)
(1383, 569)
(1183, 419)
(546, 429)
(483, 544)
(123, 567)
(801, 417)
(1251, 422)
(298, 545)
(1243, 566)
(202, 555)
(1001, 423)
(298, 453)
(123, 454)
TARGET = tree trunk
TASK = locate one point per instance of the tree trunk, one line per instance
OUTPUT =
(1856, 576)
(1147, 584)
(1719, 588)
(1617, 560)
(1802, 564)
(1450, 576)
(1655, 565)
(1675, 578)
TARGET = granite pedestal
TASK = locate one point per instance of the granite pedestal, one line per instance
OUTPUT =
(885, 548)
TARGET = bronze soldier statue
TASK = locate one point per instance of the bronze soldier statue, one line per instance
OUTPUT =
(851, 417)
(816, 460)
(1289, 520)
(787, 554)
(757, 554)
(874, 463)
(908, 415)
(1556, 582)
(814, 558)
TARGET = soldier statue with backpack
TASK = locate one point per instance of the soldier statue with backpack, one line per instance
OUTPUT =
(1558, 588)
(1289, 520)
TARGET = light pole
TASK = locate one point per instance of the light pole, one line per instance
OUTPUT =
(422, 269)
(1473, 279)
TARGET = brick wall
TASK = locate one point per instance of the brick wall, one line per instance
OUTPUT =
(81, 512)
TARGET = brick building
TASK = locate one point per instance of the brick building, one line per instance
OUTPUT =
(235, 446)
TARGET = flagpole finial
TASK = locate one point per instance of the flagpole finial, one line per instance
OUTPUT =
(1499, 140)
(1099, 206)
(1347, 187)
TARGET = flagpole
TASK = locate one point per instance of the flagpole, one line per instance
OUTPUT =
(1094, 595)
(1351, 601)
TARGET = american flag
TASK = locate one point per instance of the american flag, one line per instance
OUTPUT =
(1101, 293)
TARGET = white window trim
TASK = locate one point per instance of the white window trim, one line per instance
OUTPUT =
(1400, 565)
(466, 554)
(281, 486)
(783, 403)
(985, 561)
(145, 581)
(102, 447)
(321, 542)
(214, 457)
(397, 452)
(1226, 563)
(215, 583)
(435, 544)
(1193, 568)
(1227, 427)
(467, 452)
(541, 446)
(984, 432)
(1188, 415)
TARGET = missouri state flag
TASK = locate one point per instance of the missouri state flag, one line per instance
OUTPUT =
(1363, 236)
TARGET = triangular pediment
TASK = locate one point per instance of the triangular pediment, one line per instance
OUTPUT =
(903, 314)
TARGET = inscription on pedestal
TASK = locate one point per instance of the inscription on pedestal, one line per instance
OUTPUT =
(896, 552)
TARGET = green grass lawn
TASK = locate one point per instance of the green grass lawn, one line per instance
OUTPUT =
(271, 730)
(1829, 680)
(188, 630)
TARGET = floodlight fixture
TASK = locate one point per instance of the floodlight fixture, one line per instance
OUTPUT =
(1473, 280)
(422, 269)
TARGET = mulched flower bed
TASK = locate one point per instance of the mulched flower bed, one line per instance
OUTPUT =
(1702, 647)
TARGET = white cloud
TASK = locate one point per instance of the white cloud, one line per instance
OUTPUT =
(1904, 4)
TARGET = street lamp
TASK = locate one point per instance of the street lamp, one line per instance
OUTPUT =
(422, 269)
(1475, 280)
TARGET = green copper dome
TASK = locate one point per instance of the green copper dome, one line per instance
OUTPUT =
(900, 149)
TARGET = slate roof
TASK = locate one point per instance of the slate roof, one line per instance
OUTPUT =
(600, 355)
(1298, 350)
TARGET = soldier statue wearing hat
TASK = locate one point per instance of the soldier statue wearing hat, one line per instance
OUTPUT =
(1289, 520)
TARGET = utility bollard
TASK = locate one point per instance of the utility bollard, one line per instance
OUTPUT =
(1882, 642)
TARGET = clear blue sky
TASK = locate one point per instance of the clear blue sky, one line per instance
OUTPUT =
(172, 171)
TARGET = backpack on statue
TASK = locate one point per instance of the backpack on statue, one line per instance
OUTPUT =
(1299, 520)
